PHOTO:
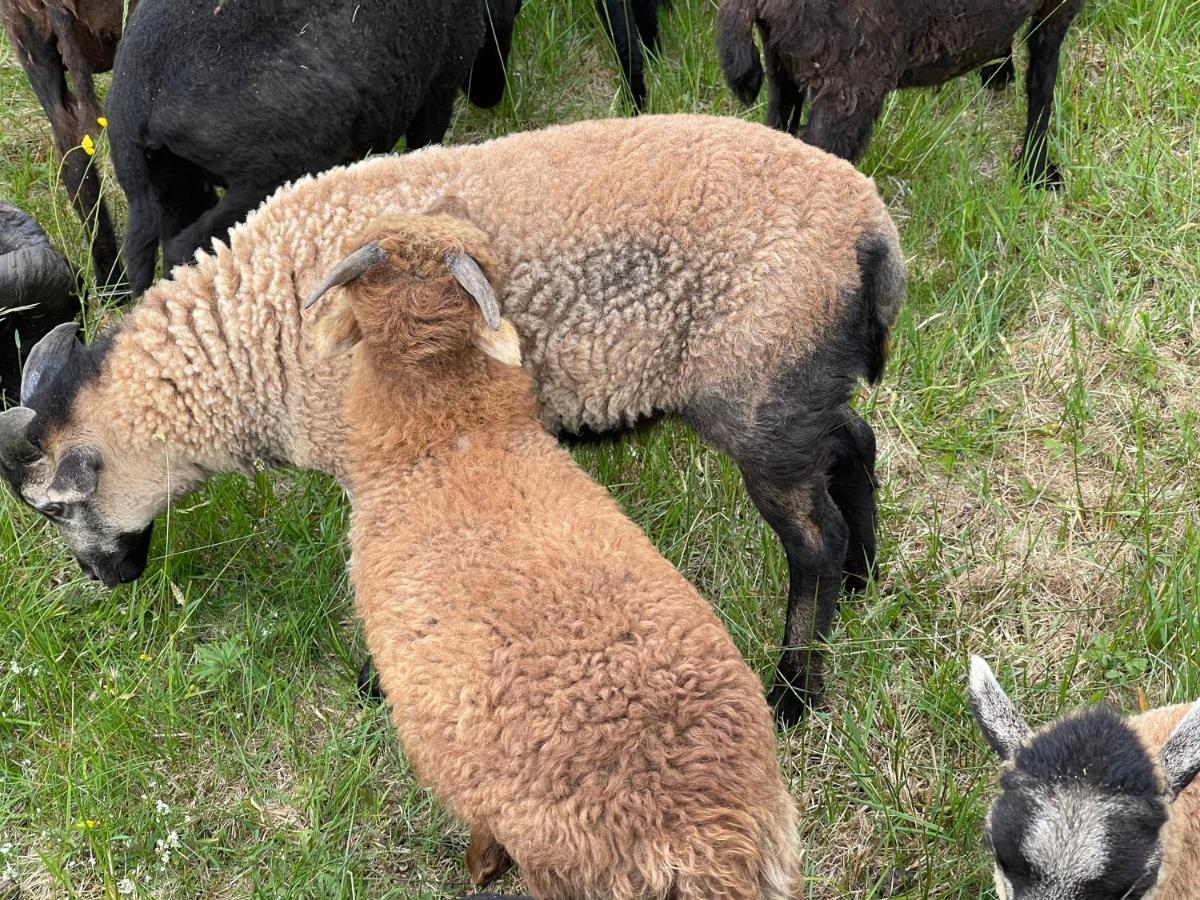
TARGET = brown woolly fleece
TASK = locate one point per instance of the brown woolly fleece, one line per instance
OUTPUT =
(564, 690)
(1179, 877)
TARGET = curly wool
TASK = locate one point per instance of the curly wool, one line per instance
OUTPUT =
(561, 686)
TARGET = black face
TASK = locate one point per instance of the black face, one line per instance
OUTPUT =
(122, 565)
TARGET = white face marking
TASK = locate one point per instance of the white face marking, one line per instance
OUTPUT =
(1067, 842)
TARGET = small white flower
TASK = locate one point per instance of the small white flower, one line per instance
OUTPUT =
(6, 848)
(9, 873)
(173, 840)
(125, 887)
(17, 704)
(14, 668)
(159, 807)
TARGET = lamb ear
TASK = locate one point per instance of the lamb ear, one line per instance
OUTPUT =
(48, 356)
(502, 345)
(1179, 758)
(472, 280)
(1002, 725)
(15, 446)
(337, 331)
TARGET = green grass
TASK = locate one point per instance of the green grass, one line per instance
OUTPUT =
(197, 734)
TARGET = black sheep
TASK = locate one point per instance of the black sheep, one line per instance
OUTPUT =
(848, 55)
(37, 292)
(246, 96)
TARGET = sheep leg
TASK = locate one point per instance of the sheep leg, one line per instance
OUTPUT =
(785, 98)
(79, 172)
(428, 125)
(815, 538)
(1046, 35)
(838, 131)
(183, 192)
(998, 75)
(487, 859)
(232, 208)
(852, 485)
(369, 687)
(645, 17)
(617, 19)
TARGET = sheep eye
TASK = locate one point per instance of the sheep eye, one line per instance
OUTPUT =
(52, 510)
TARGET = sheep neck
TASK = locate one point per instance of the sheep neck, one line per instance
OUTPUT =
(203, 372)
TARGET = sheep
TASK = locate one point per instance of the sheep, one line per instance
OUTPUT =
(1093, 804)
(848, 56)
(37, 292)
(566, 692)
(52, 38)
(292, 89)
(631, 25)
(694, 266)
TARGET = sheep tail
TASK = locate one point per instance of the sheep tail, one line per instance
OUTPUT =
(735, 46)
(882, 288)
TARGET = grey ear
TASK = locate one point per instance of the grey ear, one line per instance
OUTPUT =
(47, 356)
(1179, 758)
(1002, 725)
(15, 446)
(472, 280)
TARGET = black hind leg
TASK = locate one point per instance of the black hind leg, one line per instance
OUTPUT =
(785, 99)
(369, 688)
(1046, 33)
(998, 75)
(852, 485)
(786, 449)
(232, 208)
(622, 31)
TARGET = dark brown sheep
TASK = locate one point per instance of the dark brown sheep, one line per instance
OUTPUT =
(53, 38)
(846, 56)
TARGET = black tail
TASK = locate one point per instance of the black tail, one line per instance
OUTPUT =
(883, 286)
(739, 56)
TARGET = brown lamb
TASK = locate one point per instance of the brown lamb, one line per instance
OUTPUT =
(564, 690)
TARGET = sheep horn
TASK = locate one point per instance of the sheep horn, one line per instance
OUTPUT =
(15, 446)
(353, 266)
(468, 274)
(48, 355)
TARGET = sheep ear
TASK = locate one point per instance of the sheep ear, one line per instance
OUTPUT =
(337, 331)
(1002, 725)
(48, 356)
(502, 345)
(1179, 758)
(15, 446)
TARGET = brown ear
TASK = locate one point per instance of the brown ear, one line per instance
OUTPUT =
(337, 330)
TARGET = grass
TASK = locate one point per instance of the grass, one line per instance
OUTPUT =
(197, 734)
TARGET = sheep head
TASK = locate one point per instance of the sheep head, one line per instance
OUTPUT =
(415, 292)
(1082, 800)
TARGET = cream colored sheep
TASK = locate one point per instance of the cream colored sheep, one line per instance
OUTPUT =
(703, 267)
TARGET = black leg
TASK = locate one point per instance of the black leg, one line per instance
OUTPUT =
(622, 31)
(369, 688)
(852, 485)
(785, 98)
(429, 123)
(998, 75)
(645, 16)
(1046, 34)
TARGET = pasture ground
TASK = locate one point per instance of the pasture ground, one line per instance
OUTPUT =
(197, 734)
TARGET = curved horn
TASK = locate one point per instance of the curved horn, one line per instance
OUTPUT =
(15, 446)
(47, 355)
(353, 266)
(468, 274)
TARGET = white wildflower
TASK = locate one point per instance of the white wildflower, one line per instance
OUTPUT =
(125, 887)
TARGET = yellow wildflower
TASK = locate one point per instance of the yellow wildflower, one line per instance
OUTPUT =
(89, 146)
(102, 122)
(145, 657)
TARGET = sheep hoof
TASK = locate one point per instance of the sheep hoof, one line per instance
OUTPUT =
(790, 705)
(369, 688)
